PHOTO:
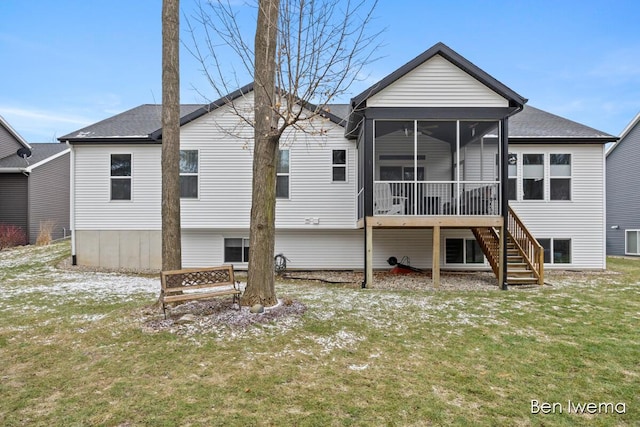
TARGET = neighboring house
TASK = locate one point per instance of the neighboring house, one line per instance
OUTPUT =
(623, 203)
(413, 168)
(34, 184)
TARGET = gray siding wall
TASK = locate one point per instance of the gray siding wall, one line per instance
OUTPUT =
(623, 202)
(8, 144)
(49, 197)
(13, 200)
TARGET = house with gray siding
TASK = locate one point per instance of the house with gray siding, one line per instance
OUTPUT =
(623, 203)
(34, 184)
(438, 165)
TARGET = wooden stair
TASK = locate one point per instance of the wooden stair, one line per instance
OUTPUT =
(525, 259)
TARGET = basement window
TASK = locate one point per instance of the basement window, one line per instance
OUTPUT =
(556, 251)
(236, 250)
(463, 251)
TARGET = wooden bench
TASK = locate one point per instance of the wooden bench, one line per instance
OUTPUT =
(198, 283)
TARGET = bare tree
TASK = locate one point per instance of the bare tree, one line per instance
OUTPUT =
(171, 236)
(306, 53)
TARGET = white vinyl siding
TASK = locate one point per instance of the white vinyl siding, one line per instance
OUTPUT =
(437, 83)
(93, 208)
(580, 219)
(225, 169)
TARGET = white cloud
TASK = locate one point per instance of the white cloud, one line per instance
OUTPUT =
(36, 125)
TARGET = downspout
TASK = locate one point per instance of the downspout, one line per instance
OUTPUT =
(72, 203)
(363, 285)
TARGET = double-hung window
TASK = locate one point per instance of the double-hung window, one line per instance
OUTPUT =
(121, 177)
(533, 176)
(339, 163)
(512, 181)
(282, 179)
(189, 174)
(560, 177)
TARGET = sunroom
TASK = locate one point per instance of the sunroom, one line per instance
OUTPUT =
(436, 167)
(432, 142)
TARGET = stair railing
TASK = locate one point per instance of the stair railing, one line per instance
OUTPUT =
(527, 245)
(489, 242)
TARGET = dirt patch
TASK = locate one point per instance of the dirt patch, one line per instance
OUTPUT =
(218, 316)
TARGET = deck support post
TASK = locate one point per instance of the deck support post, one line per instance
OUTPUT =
(501, 263)
(368, 279)
(435, 265)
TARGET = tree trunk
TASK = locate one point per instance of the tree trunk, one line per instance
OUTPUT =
(260, 279)
(171, 237)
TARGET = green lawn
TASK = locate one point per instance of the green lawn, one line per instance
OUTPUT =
(74, 351)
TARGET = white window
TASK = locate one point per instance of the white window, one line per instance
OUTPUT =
(463, 251)
(632, 242)
(121, 177)
(560, 176)
(282, 179)
(556, 251)
(189, 174)
(533, 176)
(339, 165)
(236, 250)
(512, 181)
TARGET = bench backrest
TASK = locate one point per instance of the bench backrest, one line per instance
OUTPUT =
(194, 278)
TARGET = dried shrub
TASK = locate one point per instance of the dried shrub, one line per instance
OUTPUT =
(46, 230)
(11, 235)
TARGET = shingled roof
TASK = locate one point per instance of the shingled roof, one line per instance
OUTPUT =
(39, 153)
(143, 124)
(533, 124)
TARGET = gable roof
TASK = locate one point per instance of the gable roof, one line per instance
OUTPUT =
(143, 124)
(632, 124)
(453, 57)
(13, 132)
(359, 101)
(535, 125)
(40, 154)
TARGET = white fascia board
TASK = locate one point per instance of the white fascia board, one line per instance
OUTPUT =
(13, 132)
(47, 160)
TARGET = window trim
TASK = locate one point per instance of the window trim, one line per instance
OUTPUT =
(637, 231)
(287, 174)
(339, 165)
(129, 177)
(196, 174)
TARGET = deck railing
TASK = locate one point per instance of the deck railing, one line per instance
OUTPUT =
(436, 198)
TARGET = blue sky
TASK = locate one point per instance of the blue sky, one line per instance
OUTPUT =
(69, 63)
